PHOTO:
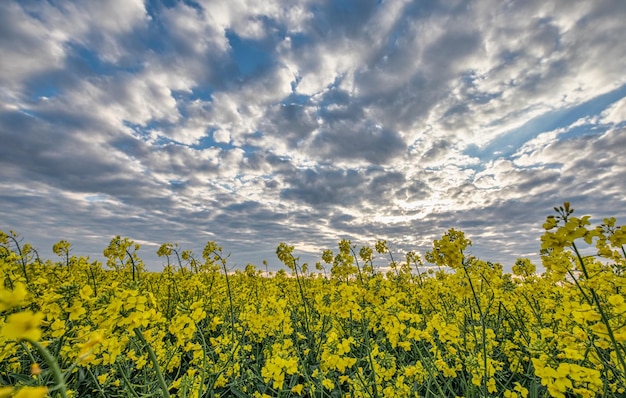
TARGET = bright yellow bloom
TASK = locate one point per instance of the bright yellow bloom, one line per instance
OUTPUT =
(344, 346)
(328, 384)
(31, 392)
(76, 311)
(23, 326)
(491, 385)
(58, 328)
(5, 392)
(86, 292)
(297, 389)
(618, 302)
(12, 298)
(87, 348)
(102, 378)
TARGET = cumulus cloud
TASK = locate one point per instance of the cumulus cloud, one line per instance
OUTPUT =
(616, 113)
(254, 122)
(29, 48)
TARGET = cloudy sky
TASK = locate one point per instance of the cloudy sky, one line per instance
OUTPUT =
(254, 122)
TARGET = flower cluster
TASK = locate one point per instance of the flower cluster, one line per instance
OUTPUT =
(453, 326)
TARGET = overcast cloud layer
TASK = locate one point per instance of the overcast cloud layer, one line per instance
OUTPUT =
(256, 122)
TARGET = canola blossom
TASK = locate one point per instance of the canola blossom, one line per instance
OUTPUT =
(359, 325)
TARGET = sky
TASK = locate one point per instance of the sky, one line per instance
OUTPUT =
(251, 123)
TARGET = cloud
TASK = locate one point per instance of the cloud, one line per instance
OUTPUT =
(252, 123)
(616, 113)
(350, 141)
(29, 48)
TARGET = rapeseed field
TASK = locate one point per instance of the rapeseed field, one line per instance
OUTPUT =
(357, 324)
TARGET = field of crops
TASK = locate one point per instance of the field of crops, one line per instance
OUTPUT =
(358, 324)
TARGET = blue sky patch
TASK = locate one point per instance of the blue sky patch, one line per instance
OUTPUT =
(249, 55)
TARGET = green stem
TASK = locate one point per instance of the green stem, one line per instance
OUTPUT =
(155, 363)
(605, 319)
(304, 301)
(54, 367)
(95, 379)
(129, 385)
(204, 364)
(130, 256)
(22, 259)
(365, 328)
(230, 296)
(483, 330)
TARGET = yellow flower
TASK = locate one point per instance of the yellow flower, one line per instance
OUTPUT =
(523, 391)
(76, 311)
(31, 392)
(58, 328)
(221, 381)
(35, 369)
(12, 298)
(328, 384)
(297, 389)
(491, 385)
(87, 348)
(617, 300)
(176, 383)
(103, 378)
(86, 292)
(23, 326)
(344, 346)
(215, 322)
